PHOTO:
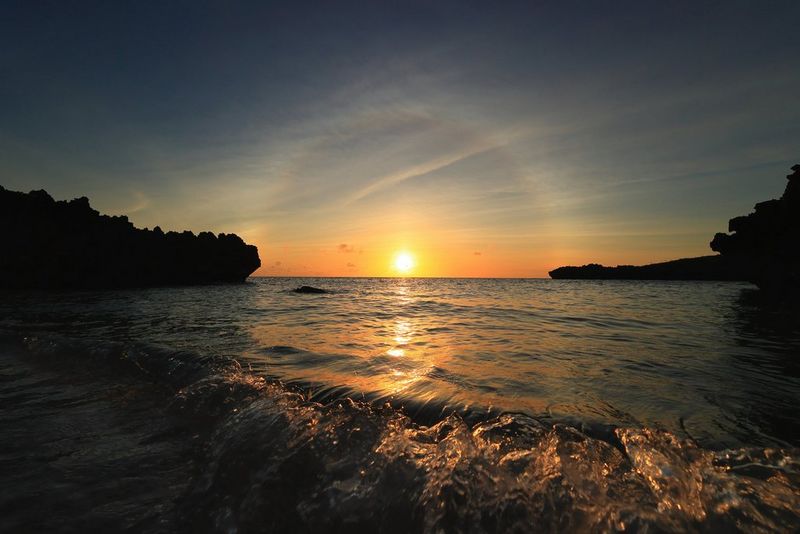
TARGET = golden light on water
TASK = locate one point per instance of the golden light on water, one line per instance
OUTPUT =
(404, 262)
(402, 353)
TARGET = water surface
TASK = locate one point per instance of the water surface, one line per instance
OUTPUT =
(697, 358)
(401, 404)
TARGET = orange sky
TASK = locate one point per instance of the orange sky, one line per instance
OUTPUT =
(487, 140)
(479, 252)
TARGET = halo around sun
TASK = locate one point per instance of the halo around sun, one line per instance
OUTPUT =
(403, 262)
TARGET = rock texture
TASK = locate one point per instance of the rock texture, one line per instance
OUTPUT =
(702, 268)
(766, 243)
(47, 244)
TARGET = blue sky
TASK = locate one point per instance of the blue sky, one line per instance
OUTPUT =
(489, 139)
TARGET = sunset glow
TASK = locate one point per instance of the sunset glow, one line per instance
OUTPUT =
(404, 262)
(400, 266)
(499, 141)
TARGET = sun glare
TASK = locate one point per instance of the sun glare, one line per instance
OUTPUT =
(403, 262)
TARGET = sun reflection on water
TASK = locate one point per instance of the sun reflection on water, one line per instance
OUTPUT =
(404, 340)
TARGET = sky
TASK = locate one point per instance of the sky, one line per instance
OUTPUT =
(488, 139)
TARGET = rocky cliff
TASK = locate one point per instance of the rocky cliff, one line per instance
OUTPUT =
(763, 248)
(766, 243)
(47, 244)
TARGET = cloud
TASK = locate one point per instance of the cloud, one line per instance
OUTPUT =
(420, 170)
(477, 253)
(345, 248)
(351, 265)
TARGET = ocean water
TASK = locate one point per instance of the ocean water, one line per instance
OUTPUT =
(401, 404)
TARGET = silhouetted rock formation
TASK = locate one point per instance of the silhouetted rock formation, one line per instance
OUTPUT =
(309, 290)
(766, 243)
(702, 268)
(48, 244)
(764, 249)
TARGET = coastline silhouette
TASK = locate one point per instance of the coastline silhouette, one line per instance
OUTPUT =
(765, 242)
(702, 268)
(50, 244)
(761, 249)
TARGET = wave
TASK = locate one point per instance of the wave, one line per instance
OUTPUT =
(269, 458)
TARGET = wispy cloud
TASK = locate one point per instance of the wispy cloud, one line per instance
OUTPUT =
(416, 171)
(392, 128)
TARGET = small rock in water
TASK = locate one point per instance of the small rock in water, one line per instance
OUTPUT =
(308, 289)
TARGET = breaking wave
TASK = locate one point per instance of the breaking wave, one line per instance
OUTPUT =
(264, 457)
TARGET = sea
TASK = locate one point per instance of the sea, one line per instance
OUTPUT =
(400, 405)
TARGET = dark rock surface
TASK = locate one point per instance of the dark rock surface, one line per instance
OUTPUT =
(763, 248)
(702, 268)
(766, 243)
(309, 289)
(47, 244)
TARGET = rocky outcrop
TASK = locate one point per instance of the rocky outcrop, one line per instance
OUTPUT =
(47, 244)
(763, 248)
(702, 268)
(766, 243)
(310, 290)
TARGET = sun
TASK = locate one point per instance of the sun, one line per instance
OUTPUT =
(404, 262)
